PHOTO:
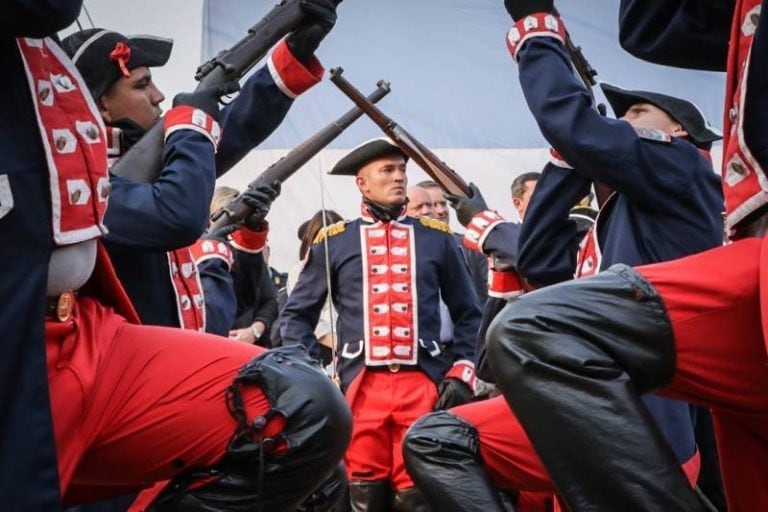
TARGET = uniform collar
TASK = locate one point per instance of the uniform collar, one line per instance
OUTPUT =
(374, 212)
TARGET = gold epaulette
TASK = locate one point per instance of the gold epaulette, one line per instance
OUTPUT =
(329, 231)
(436, 224)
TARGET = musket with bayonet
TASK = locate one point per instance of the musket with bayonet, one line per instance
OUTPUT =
(144, 160)
(281, 170)
(443, 175)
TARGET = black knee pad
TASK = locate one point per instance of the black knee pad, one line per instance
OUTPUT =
(436, 435)
(592, 325)
(253, 474)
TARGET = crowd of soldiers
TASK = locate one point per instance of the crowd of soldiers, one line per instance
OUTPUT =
(570, 361)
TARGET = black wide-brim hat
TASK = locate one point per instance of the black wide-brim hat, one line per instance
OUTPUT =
(98, 53)
(682, 111)
(365, 153)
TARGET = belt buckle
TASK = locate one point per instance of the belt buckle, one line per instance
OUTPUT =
(393, 367)
(65, 305)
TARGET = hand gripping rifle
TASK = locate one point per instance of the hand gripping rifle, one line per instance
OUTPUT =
(446, 177)
(281, 170)
(144, 161)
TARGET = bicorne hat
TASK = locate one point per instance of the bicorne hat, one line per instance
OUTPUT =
(103, 56)
(365, 153)
(682, 111)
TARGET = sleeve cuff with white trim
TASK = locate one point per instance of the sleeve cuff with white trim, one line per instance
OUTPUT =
(291, 76)
(185, 117)
(207, 249)
(540, 24)
(248, 240)
(463, 371)
(479, 228)
(504, 284)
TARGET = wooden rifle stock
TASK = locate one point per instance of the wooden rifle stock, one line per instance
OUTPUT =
(581, 65)
(443, 175)
(144, 160)
(281, 170)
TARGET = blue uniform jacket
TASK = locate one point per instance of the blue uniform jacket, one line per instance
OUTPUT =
(28, 468)
(669, 199)
(440, 272)
(147, 219)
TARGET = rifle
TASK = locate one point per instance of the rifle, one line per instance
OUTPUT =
(446, 177)
(581, 65)
(281, 170)
(144, 161)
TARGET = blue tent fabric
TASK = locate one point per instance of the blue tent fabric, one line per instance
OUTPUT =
(454, 84)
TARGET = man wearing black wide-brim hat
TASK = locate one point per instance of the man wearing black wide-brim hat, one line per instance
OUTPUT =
(565, 376)
(388, 272)
(231, 424)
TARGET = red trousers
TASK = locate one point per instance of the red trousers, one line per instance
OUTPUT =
(133, 405)
(384, 405)
(714, 302)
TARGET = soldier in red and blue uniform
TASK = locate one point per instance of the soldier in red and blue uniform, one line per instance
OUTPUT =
(28, 476)
(665, 205)
(388, 273)
(692, 328)
(153, 227)
(135, 404)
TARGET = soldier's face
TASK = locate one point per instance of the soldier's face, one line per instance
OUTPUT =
(383, 181)
(419, 203)
(135, 98)
(521, 203)
(440, 210)
(645, 115)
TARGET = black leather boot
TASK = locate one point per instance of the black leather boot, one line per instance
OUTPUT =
(370, 496)
(441, 453)
(409, 500)
(572, 361)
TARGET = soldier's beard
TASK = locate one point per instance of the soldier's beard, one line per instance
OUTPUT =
(384, 213)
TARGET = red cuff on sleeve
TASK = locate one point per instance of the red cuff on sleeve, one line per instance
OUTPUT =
(292, 76)
(463, 371)
(540, 24)
(479, 228)
(504, 284)
(205, 249)
(185, 117)
(248, 240)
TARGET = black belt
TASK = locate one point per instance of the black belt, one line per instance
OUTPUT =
(62, 306)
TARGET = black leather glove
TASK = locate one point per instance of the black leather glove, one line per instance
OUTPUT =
(259, 200)
(221, 234)
(467, 207)
(452, 393)
(206, 99)
(521, 8)
(319, 18)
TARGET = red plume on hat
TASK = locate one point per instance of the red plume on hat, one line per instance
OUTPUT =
(121, 54)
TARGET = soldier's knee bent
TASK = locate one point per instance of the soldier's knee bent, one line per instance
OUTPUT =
(435, 436)
(279, 471)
